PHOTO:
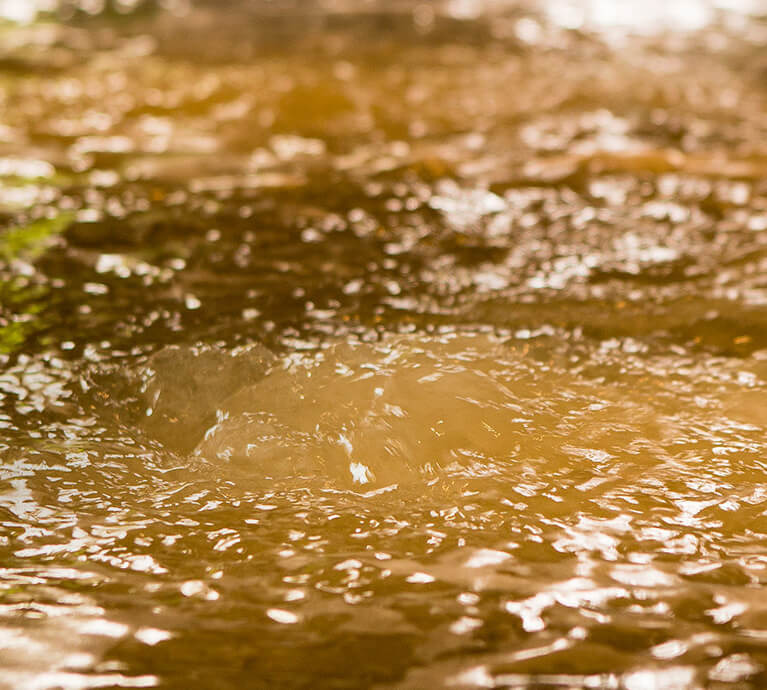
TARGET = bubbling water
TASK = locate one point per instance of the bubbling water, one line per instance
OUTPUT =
(373, 414)
(424, 408)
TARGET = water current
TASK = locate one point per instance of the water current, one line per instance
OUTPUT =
(383, 344)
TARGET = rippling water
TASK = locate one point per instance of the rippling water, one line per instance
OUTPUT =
(389, 345)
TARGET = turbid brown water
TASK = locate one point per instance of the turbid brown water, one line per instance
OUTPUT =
(383, 345)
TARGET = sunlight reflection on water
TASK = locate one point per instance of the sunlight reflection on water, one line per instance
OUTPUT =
(384, 345)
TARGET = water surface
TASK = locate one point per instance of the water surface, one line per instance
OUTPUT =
(386, 345)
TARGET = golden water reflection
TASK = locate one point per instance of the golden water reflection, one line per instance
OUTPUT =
(398, 346)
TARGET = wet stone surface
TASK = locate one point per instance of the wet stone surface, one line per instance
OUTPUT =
(390, 345)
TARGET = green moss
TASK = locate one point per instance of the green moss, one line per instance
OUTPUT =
(31, 240)
(13, 335)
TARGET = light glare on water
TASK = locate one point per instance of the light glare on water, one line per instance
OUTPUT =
(396, 346)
